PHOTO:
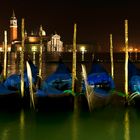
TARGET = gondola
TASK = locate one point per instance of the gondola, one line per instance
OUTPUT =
(97, 87)
(134, 84)
(10, 96)
(53, 95)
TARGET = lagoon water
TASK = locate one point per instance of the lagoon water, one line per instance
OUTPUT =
(103, 124)
(108, 123)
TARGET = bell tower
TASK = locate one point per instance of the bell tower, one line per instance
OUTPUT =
(13, 27)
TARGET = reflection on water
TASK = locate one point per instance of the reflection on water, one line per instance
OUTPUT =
(22, 125)
(126, 126)
(75, 120)
(34, 58)
(4, 134)
(105, 124)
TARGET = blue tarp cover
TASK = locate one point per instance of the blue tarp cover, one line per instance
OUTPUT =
(58, 82)
(5, 91)
(133, 77)
(99, 76)
(13, 81)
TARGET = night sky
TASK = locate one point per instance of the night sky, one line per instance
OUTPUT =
(95, 19)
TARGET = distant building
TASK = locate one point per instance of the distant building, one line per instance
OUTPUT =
(33, 40)
(50, 43)
(80, 47)
(2, 47)
(55, 44)
(13, 28)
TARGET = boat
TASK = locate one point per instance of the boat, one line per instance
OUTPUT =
(53, 94)
(134, 84)
(98, 84)
(10, 96)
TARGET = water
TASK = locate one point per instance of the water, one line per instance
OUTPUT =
(104, 124)
(109, 123)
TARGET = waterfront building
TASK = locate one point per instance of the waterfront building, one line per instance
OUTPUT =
(80, 48)
(51, 43)
(32, 41)
(55, 44)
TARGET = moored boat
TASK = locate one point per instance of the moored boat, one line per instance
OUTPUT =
(53, 93)
(10, 96)
(98, 85)
(134, 84)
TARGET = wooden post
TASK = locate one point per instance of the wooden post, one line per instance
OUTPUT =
(111, 57)
(40, 54)
(126, 58)
(74, 60)
(5, 55)
(22, 58)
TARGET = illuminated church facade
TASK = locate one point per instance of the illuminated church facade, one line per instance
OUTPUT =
(50, 43)
(55, 44)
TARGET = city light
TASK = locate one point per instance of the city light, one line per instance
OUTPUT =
(1, 49)
(9, 49)
(34, 48)
(82, 49)
(20, 49)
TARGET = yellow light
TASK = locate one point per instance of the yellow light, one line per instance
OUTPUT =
(130, 49)
(34, 48)
(136, 49)
(20, 49)
(82, 48)
(33, 39)
(1, 50)
(9, 49)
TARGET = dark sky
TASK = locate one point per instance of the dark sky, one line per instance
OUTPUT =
(95, 19)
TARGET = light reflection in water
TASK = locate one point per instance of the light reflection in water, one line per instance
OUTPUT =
(11, 68)
(82, 56)
(126, 126)
(8, 67)
(5, 134)
(74, 122)
(34, 58)
(22, 124)
(14, 67)
(13, 63)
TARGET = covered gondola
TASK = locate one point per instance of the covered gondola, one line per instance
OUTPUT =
(10, 96)
(52, 96)
(134, 84)
(99, 85)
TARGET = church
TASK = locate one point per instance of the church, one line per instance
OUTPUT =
(50, 43)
